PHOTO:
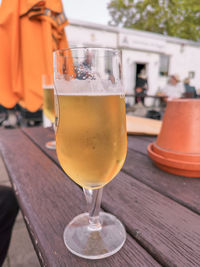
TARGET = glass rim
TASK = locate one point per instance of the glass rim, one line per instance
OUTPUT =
(88, 48)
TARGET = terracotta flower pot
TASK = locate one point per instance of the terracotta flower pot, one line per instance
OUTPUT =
(177, 148)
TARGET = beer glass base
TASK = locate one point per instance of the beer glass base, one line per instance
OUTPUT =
(94, 244)
(51, 145)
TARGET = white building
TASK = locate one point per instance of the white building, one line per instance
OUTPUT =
(160, 55)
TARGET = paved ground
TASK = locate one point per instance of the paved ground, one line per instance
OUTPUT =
(21, 252)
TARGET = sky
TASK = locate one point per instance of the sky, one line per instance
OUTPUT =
(87, 10)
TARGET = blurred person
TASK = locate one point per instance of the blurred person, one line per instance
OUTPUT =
(111, 76)
(190, 91)
(88, 61)
(8, 212)
(173, 89)
(141, 87)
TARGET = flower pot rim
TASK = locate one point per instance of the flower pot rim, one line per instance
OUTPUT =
(178, 167)
(172, 154)
(184, 100)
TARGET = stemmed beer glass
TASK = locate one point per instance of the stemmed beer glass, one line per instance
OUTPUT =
(91, 141)
(48, 105)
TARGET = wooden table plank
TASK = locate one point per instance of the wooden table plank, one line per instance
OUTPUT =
(139, 144)
(168, 230)
(49, 201)
(184, 190)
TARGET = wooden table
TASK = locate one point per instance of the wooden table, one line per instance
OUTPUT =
(161, 212)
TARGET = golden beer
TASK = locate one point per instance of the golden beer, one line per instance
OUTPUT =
(48, 106)
(91, 139)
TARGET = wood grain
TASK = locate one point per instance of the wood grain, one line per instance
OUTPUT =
(168, 230)
(49, 200)
(183, 190)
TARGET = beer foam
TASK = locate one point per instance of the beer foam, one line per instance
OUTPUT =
(48, 86)
(88, 87)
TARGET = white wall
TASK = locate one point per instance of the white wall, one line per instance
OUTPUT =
(81, 36)
(184, 56)
(183, 60)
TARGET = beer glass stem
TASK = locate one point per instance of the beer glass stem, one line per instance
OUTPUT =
(93, 199)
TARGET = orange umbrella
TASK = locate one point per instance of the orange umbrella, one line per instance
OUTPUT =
(30, 31)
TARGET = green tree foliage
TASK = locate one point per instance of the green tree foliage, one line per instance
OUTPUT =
(180, 18)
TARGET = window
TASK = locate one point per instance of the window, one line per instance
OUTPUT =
(191, 74)
(164, 65)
